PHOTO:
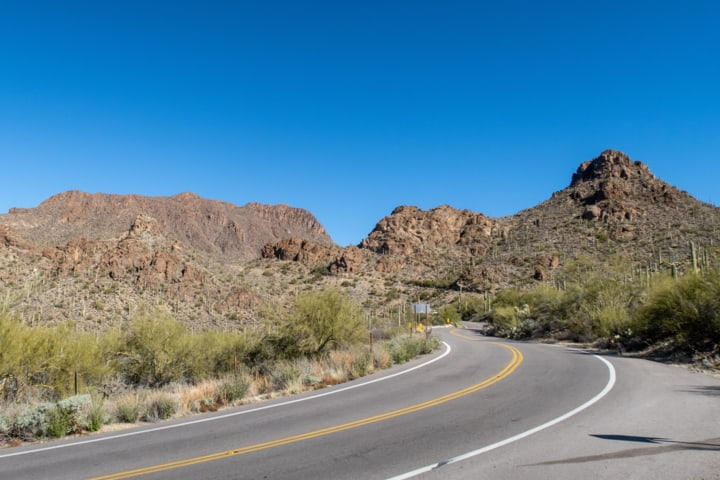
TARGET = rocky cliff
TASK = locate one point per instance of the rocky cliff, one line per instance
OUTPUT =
(221, 229)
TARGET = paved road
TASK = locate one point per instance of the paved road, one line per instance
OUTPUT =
(479, 408)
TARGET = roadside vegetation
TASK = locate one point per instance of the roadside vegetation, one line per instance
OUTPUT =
(611, 306)
(56, 381)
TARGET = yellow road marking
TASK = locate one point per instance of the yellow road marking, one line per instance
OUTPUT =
(505, 372)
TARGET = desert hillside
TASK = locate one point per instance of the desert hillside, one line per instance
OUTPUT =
(93, 259)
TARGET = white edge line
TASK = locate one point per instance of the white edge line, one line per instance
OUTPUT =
(514, 438)
(233, 414)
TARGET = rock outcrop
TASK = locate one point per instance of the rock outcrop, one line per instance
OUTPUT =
(411, 231)
(212, 263)
(222, 229)
(614, 188)
(300, 250)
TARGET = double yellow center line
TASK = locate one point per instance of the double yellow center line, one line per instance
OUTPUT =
(517, 359)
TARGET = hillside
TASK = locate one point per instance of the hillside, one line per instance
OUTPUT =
(221, 229)
(94, 259)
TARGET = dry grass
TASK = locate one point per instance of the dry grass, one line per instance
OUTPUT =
(201, 397)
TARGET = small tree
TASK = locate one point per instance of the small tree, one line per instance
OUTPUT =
(154, 350)
(329, 319)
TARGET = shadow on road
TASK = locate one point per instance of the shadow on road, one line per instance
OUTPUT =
(659, 446)
(711, 391)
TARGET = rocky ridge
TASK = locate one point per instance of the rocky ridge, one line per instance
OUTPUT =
(212, 263)
(221, 229)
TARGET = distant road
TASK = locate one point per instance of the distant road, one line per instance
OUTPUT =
(478, 408)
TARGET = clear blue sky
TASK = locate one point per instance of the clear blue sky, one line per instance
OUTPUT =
(351, 108)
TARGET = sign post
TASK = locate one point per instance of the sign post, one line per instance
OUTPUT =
(417, 309)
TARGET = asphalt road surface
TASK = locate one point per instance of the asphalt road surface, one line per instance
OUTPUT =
(477, 408)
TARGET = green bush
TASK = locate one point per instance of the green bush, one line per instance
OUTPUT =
(154, 351)
(49, 357)
(686, 310)
(31, 423)
(95, 418)
(128, 410)
(406, 348)
(58, 422)
(282, 374)
(233, 388)
(160, 406)
(69, 416)
(329, 319)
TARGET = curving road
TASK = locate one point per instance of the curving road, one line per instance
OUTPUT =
(479, 408)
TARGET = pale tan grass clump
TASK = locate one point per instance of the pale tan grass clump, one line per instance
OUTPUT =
(381, 358)
(126, 408)
(342, 360)
(260, 387)
(159, 405)
(295, 385)
(200, 397)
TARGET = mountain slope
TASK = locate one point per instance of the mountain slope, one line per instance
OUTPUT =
(221, 229)
(612, 206)
(96, 259)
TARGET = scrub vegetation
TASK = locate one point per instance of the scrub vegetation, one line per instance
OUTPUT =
(611, 306)
(56, 380)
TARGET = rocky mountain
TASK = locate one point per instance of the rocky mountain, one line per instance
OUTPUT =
(221, 229)
(612, 206)
(97, 259)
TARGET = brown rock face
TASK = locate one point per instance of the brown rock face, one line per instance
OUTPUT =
(345, 260)
(610, 164)
(411, 231)
(299, 250)
(224, 230)
(616, 189)
(10, 238)
(144, 255)
(350, 261)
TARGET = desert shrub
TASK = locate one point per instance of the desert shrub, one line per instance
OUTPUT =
(276, 341)
(80, 354)
(506, 321)
(362, 363)
(159, 406)
(233, 388)
(686, 309)
(4, 427)
(213, 353)
(43, 361)
(284, 373)
(406, 348)
(128, 409)
(95, 417)
(58, 422)
(381, 358)
(30, 423)
(328, 319)
(467, 307)
(72, 415)
(154, 351)
(613, 321)
(449, 314)
(530, 313)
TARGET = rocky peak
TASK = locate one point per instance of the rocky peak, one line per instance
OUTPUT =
(610, 164)
(612, 187)
(412, 231)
